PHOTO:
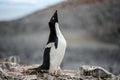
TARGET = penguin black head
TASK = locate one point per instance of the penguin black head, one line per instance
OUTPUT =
(53, 20)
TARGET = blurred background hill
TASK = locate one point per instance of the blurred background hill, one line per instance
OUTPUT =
(91, 28)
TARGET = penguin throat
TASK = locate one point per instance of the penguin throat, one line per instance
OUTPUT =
(58, 32)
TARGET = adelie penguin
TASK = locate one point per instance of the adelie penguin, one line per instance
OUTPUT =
(54, 49)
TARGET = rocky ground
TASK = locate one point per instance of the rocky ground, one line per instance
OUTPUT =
(11, 70)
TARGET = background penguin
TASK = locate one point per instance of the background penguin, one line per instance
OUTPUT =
(55, 48)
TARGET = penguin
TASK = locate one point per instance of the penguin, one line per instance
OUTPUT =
(54, 49)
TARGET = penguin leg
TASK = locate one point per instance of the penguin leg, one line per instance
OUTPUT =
(53, 71)
(57, 72)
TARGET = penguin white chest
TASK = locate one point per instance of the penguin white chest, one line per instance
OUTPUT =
(61, 49)
(61, 45)
(57, 55)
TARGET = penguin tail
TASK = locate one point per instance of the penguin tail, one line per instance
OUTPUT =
(33, 71)
(37, 71)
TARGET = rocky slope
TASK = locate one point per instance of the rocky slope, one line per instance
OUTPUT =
(92, 31)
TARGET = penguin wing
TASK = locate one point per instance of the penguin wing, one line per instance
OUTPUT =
(50, 45)
(52, 52)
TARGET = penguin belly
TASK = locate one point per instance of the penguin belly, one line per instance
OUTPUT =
(56, 55)
(61, 51)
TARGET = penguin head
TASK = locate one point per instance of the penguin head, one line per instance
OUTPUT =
(53, 21)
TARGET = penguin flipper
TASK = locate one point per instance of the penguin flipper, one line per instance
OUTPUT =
(51, 44)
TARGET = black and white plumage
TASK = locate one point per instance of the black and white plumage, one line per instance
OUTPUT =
(55, 47)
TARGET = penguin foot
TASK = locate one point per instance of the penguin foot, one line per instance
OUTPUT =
(57, 73)
(54, 74)
(60, 72)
